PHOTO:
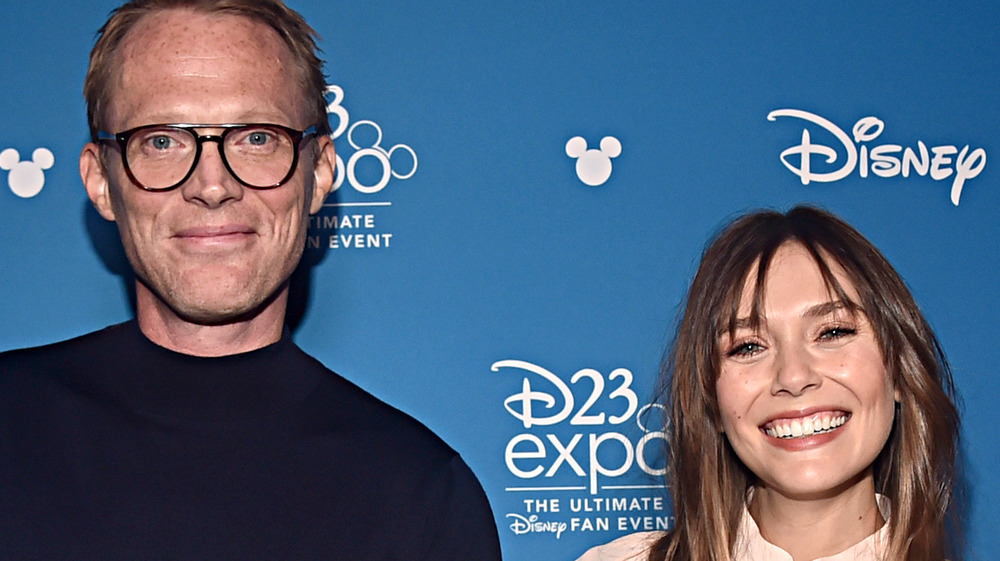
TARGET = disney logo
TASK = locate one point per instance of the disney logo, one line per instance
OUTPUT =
(886, 160)
(521, 525)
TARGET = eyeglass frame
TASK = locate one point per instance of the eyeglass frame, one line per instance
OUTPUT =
(122, 138)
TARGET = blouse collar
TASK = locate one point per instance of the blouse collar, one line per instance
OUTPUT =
(751, 545)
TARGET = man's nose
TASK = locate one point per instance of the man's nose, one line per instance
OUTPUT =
(211, 184)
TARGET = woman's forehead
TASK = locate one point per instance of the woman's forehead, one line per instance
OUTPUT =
(791, 268)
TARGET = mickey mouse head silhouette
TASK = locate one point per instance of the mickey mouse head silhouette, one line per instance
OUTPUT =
(26, 179)
(593, 167)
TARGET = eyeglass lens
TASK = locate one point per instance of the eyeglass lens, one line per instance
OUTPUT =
(161, 157)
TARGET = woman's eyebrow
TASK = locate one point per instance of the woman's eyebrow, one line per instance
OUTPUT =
(826, 308)
(819, 310)
(739, 323)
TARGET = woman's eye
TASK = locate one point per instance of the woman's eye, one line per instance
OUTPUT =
(747, 348)
(837, 333)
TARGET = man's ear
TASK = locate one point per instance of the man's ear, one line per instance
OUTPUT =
(323, 172)
(95, 180)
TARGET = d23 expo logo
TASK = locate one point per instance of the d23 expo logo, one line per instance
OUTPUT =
(373, 150)
(354, 222)
(884, 160)
(588, 457)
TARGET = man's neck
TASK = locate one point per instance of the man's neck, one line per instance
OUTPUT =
(161, 325)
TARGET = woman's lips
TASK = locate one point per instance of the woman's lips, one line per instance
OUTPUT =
(787, 427)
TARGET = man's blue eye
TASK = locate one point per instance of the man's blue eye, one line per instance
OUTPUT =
(258, 138)
(160, 142)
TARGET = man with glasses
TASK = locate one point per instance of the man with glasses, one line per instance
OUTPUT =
(199, 430)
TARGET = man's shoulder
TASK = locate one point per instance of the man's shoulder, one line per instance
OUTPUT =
(365, 416)
(335, 406)
(59, 355)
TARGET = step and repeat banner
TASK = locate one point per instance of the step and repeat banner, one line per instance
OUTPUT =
(523, 193)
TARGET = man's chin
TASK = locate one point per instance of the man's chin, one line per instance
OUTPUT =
(216, 317)
(209, 307)
(216, 313)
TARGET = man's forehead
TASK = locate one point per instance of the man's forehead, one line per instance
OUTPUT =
(177, 61)
(201, 38)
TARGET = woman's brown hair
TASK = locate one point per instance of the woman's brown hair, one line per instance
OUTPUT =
(709, 483)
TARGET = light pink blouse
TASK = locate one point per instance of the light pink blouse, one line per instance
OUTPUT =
(751, 546)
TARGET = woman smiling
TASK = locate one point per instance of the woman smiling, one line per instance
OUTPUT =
(810, 406)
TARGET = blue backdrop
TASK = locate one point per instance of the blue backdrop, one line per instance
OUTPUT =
(479, 261)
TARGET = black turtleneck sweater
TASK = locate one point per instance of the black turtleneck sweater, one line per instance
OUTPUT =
(112, 447)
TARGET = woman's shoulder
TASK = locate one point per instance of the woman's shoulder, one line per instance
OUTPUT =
(630, 547)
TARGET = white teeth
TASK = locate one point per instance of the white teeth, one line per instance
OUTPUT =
(807, 427)
(796, 428)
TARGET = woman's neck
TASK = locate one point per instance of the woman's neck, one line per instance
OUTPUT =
(818, 526)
